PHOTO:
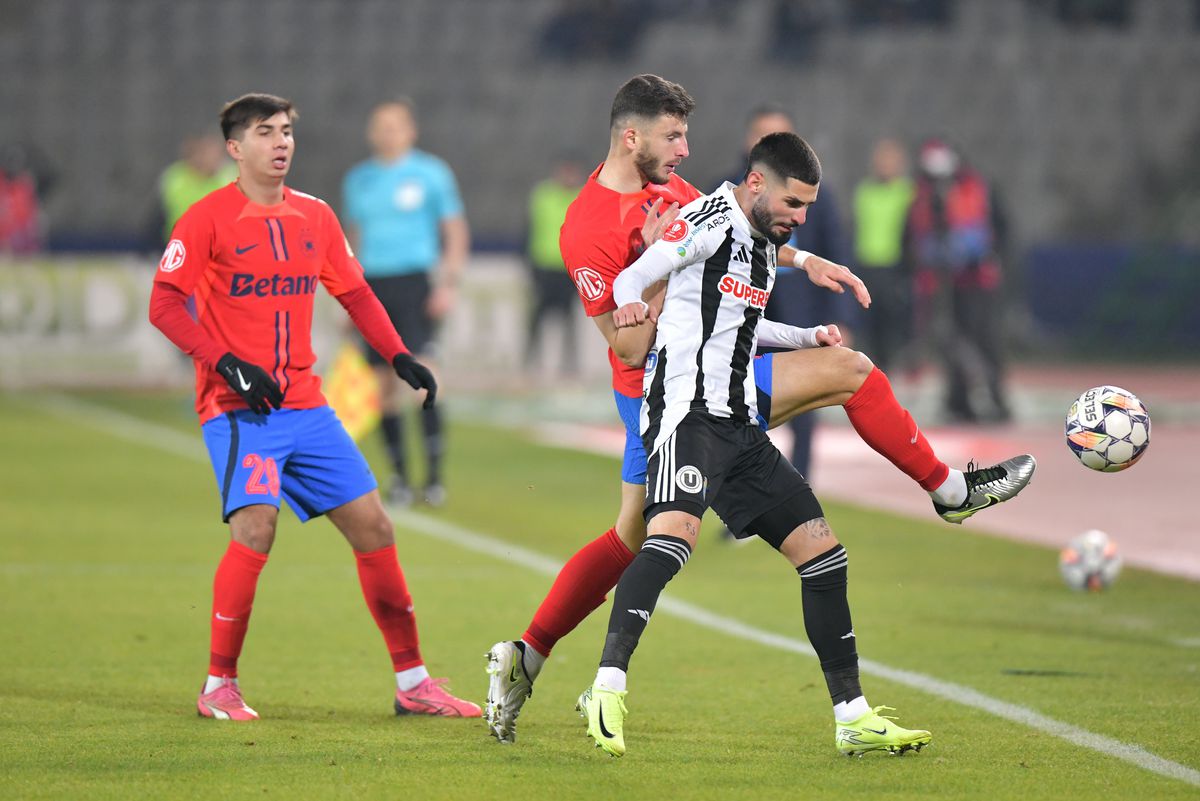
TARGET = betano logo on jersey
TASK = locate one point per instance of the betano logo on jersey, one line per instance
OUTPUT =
(742, 291)
(246, 284)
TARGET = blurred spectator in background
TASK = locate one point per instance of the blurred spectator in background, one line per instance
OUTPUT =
(797, 29)
(794, 299)
(404, 209)
(952, 247)
(203, 167)
(595, 29)
(21, 226)
(554, 292)
(881, 203)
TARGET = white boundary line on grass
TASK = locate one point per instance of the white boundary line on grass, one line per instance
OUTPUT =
(142, 432)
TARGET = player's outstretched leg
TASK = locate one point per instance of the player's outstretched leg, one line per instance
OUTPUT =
(224, 702)
(805, 380)
(509, 686)
(989, 486)
(876, 732)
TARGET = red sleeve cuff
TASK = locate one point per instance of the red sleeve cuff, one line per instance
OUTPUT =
(372, 320)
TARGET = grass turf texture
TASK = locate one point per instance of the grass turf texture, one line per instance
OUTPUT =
(106, 559)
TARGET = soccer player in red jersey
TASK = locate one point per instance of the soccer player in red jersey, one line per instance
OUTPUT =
(628, 203)
(251, 256)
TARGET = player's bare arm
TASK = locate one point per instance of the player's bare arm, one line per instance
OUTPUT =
(630, 344)
(825, 273)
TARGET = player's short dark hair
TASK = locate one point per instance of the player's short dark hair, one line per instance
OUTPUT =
(240, 114)
(788, 156)
(647, 96)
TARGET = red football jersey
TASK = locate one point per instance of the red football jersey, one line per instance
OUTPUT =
(601, 236)
(253, 273)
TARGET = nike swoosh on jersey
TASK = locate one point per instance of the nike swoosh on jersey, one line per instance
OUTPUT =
(247, 249)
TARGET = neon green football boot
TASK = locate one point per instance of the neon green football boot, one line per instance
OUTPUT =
(605, 712)
(875, 732)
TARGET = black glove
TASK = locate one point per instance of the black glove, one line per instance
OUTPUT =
(253, 383)
(417, 376)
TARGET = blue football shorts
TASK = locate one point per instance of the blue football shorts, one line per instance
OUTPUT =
(764, 371)
(633, 465)
(302, 456)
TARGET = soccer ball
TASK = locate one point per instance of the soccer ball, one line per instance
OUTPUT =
(1108, 429)
(1090, 562)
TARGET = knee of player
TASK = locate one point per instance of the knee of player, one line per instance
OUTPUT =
(257, 536)
(381, 532)
(856, 364)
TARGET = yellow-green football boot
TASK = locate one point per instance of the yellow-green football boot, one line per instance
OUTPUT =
(876, 732)
(605, 712)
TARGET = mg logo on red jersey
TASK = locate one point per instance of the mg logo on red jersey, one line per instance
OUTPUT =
(742, 291)
(676, 231)
(591, 283)
(173, 256)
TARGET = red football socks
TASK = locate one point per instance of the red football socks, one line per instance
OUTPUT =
(579, 588)
(233, 596)
(887, 427)
(387, 597)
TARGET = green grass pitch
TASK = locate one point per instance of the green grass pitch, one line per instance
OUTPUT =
(108, 545)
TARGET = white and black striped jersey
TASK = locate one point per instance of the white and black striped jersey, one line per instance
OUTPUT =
(720, 278)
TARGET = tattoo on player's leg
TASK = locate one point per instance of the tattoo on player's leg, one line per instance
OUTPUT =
(818, 529)
(690, 528)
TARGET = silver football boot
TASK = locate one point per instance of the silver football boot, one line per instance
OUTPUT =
(989, 486)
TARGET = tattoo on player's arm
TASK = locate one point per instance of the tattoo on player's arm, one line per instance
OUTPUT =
(818, 529)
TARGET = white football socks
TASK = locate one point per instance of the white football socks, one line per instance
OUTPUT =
(953, 491)
(408, 679)
(532, 660)
(213, 682)
(850, 711)
(611, 677)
